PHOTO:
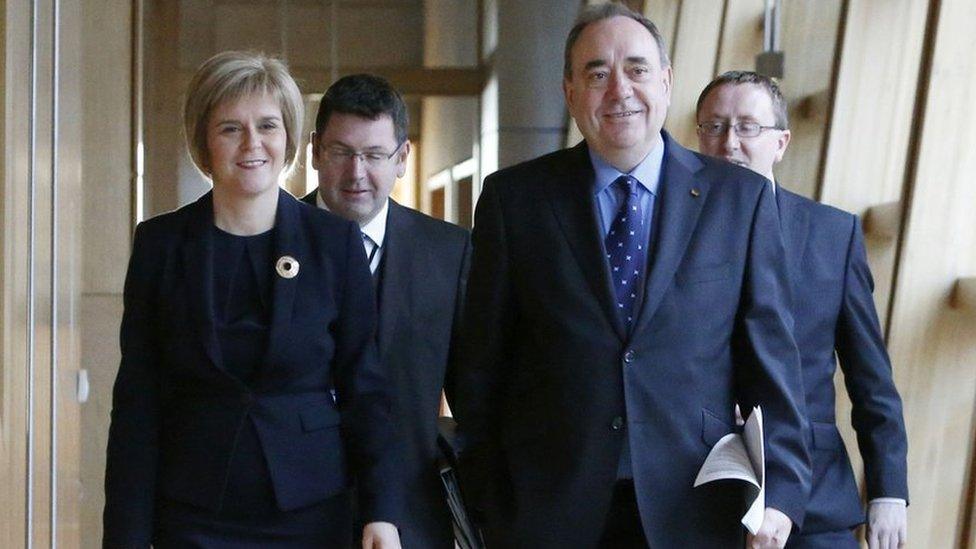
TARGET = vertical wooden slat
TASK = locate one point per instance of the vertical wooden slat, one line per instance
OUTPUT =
(163, 89)
(38, 313)
(865, 152)
(110, 89)
(932, 343)
(693, 60)
(864, 164)
(742, 36)
(13, 363)
(967, 535)
(66, 285)
(664, 13)
(808, 40)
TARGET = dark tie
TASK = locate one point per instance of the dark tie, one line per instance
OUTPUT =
(371, 254)
(625, 250)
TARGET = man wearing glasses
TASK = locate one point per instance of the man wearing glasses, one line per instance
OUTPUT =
(742, 119)
(359, 149)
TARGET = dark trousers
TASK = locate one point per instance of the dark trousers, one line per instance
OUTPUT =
(623, 529)
(839, 539)
(324, 525)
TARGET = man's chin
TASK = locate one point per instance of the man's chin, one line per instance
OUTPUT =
(631, 143)
(360, 213)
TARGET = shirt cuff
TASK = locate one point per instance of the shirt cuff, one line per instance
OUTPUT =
(888, 500)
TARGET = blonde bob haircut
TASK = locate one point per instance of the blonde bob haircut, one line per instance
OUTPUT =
(231, 76)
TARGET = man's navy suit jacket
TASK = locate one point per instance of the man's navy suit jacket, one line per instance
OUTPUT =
(421, 280)
(834, 312)
(176, 409)
(550, 383)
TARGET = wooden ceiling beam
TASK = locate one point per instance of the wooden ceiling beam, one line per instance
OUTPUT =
(453, 81)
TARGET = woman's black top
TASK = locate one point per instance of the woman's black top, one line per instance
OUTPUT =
(242, 298)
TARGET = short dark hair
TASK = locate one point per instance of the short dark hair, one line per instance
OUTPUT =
(365, 95)
(735, 78)
(599, 12)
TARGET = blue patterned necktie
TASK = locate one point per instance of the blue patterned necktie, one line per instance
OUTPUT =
(625, 250)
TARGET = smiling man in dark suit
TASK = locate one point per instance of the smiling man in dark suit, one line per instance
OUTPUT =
(419, 265)
(742, 118)
(624, 293)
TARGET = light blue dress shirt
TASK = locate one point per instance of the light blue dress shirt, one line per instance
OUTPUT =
(609, 198)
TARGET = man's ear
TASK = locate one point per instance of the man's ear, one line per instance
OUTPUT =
(568, 93)
(667, 80)
(402, 159)
(313, 140)
(781, 143)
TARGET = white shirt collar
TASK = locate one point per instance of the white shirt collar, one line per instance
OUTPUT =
(375, 228)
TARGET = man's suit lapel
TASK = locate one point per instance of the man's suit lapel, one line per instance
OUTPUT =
(287, 241)
(395, 261)
(396, 257)
(794, 221)
(199, 276)
(682, 197)
(570, 194)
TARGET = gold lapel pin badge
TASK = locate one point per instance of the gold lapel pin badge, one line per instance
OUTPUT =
(287, 266)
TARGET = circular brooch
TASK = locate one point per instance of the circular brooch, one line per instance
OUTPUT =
(287, 266)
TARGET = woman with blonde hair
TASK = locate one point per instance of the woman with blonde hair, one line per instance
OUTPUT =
(249, 397)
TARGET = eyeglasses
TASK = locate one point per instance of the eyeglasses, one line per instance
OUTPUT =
(373, 159)
(741, 129)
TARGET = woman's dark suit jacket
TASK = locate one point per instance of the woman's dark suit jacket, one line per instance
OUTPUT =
(176, 410)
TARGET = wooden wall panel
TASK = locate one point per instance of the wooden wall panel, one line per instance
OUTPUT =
(742, 36)
(871, 120)
(107, 217)
(866, 152)
(808, 39)
(13, 363)
(968, 526)
(694, 48)
(39, 350)
(933, 343)
(67, 424)
(162, 106)
(664, 14)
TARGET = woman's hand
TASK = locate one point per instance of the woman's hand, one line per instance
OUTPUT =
(380, 535)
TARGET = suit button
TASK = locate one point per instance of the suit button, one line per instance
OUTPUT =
(617, 423)
(629, 356)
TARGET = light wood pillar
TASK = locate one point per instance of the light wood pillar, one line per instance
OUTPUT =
(664, 13)
(871, 124)
(696, 39)
(809, 39)
(867, 144)
(932, 343)
(742, 36)
(107, 219)
(161, 111)
(40, 250)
